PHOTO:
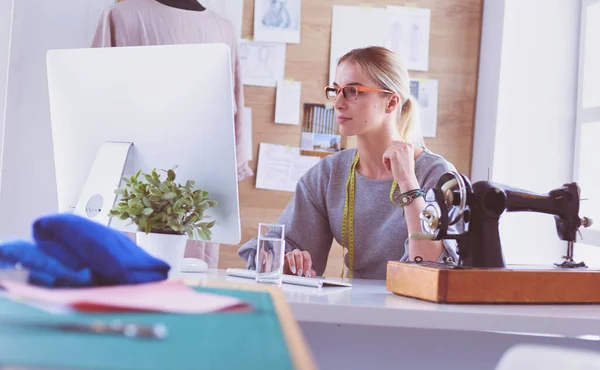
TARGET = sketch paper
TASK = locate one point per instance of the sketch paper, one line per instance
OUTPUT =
(287, 102)
(354, 27)
(426, 93)
(232, 10)
(263, 63)
(280, 167)
(247, 133)
(277, 21)
(408, 35)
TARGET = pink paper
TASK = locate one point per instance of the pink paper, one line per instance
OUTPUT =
(164, 296)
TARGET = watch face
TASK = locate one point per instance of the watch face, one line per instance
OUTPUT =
(403, 200)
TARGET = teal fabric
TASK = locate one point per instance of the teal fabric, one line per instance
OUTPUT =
(244, 340)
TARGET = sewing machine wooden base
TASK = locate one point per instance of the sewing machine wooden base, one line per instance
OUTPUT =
(518, 284)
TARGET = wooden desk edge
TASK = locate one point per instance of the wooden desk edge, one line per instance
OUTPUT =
(301, 355)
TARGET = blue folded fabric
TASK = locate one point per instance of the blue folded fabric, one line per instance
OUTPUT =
(43, 269)
(70, 250)
(112, 257)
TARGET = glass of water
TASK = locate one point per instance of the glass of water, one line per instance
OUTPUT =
(269, 253)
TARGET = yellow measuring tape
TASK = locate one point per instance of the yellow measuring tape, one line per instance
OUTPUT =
(348, 217)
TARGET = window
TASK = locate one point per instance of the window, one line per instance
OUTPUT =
(590, 96)
(587, 137)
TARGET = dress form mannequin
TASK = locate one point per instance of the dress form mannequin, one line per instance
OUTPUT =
(183, 4)
(169, 22)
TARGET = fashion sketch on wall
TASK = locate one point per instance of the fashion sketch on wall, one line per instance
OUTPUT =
(263, 63)
(408, 33)
(277, 20)
(426, 94)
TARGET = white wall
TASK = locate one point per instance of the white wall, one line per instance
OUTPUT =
(28, 187)
(488, 88)
(6, 8)
(526, 134)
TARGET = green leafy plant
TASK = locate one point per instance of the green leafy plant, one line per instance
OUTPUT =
(164, 206)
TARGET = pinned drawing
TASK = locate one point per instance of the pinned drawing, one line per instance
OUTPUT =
(263, 63)
(426, 94)
(408, 35)
(354, 27)
(277, 21)
(277, 15)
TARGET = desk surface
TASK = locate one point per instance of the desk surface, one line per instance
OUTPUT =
(369, 303)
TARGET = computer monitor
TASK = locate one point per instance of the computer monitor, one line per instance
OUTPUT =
(173, 103)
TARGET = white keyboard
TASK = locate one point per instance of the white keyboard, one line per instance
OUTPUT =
(316, 282)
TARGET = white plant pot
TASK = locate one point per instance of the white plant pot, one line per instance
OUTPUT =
(167, 247)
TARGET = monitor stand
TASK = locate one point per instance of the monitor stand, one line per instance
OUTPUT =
(112, 162)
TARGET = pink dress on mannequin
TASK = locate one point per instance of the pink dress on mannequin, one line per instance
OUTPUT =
(148, 22)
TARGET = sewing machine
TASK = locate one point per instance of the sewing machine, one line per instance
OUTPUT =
(480, 274)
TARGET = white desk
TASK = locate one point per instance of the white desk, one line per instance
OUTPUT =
(366, 325)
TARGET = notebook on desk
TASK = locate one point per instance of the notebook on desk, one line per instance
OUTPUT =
(316, 282)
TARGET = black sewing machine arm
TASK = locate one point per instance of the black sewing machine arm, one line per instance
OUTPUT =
(562, 202)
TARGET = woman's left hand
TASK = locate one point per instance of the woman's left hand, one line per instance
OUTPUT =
(399, 159)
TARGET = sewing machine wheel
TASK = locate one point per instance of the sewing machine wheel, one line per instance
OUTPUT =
(456, 207)
(430, 219)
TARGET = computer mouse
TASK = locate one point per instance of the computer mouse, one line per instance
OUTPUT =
(193, 265)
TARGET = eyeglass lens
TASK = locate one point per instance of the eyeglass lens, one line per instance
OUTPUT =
(349, 92)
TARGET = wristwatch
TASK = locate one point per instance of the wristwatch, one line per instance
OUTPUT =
(406, 198)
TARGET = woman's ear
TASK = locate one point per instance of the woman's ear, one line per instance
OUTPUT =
(393, 103)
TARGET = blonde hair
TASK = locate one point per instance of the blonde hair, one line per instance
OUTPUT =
(385, 68)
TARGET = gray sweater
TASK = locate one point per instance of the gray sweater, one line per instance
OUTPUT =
(314, 215)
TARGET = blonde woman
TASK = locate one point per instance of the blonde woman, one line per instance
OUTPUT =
(356, 195)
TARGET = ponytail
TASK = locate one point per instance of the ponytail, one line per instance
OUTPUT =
(409, 122)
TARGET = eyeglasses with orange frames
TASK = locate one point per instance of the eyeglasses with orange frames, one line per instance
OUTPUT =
(350, 92)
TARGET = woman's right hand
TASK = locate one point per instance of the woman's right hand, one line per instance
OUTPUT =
(299, 263)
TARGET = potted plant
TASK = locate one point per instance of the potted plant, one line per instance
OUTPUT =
(166, 213)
